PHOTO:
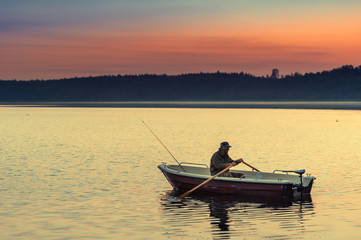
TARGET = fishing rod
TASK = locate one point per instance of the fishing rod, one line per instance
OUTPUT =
(162, 144)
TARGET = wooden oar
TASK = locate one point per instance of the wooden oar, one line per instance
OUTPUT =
(253, 168)
(200, 185)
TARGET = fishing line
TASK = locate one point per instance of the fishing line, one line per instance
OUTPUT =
(162, 144)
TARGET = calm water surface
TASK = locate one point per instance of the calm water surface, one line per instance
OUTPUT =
(91, 173)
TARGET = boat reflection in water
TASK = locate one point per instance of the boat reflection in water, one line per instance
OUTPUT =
(233, 215)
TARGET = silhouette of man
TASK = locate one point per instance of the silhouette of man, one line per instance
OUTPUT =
(221, 160)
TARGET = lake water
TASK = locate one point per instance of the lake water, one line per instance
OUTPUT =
(91, 173)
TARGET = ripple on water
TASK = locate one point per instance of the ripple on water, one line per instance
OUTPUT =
(63, 178)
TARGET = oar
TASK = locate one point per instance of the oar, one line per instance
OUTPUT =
(200, 185)
(253, 168)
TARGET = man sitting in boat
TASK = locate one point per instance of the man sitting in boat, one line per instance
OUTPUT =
(220, 160)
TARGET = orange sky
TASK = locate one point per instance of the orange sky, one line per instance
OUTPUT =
(131, 37)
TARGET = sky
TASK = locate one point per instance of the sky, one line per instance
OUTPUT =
(52, 39)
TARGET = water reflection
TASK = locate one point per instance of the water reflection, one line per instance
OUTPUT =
(219, 211)
(230, 216)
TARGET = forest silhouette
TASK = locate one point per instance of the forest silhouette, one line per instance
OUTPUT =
(339, 84)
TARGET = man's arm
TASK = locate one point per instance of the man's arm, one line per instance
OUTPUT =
(236, 162)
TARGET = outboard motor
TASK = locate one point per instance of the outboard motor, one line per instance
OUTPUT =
(300, 172)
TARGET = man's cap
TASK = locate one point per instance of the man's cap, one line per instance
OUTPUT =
(224, 145)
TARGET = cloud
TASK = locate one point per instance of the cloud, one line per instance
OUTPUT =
(20, 15)
(159, 36)
(153, 54)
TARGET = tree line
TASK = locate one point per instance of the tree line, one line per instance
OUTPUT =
(342, 83)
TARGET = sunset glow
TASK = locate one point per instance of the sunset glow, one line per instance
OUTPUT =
(56, 39)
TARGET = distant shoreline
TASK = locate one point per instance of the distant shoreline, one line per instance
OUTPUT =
(336, 105)
(224, 89)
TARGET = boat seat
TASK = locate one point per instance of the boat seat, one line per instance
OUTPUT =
(257, 176)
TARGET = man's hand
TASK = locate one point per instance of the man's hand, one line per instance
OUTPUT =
(239, 160)
(234, 163)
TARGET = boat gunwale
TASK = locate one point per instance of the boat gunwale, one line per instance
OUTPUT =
(225, 179)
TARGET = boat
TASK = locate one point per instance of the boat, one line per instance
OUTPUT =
(279, 183)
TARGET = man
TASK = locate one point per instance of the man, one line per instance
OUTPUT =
(221, 160)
